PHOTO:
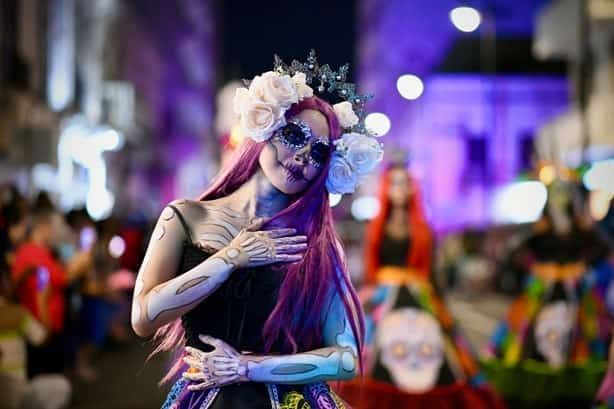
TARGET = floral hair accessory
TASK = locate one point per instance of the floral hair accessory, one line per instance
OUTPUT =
(345, 114)
(263, 104)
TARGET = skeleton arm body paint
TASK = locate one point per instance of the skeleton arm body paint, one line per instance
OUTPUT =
(160, 296)
(337, 361)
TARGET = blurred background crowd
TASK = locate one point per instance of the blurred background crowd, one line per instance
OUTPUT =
(500, 112)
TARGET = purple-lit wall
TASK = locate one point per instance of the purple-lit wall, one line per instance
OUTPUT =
(467, 138)
(399, 37)
(465, 133)
(171, 59)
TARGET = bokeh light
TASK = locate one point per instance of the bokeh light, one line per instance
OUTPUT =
(466, 19)
(365, 208)
(600, 176)
(599, 203)
(547, 174)
(117, 246)
(378, 123)
(410, 86)
(87, 236)
(334, 199)
(236, 136)
(519, 202)
(99, 203)
(107, 140)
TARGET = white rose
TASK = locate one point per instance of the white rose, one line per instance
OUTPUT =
(259, 119)
(274, 88)
(302, 89)
(345, 114)
(240, 99)
(341, 178)
(362, 152)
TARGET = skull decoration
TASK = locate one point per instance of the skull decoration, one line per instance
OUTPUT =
(552, 331)
(410, 345)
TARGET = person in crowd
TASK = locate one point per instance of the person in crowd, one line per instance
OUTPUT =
(13, 223)
(18, 327)
(39, 280)
(416, 356)
(78, 235)
(558, 330)
(100, 300)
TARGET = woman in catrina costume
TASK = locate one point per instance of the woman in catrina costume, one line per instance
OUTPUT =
(249, 283)
(551, 350)
(415, 354)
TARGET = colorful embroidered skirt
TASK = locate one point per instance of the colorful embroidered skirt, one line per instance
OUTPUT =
(254, 396)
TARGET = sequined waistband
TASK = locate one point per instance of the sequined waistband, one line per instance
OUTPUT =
(310, 396)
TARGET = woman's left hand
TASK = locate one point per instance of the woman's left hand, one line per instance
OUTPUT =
(222, 366)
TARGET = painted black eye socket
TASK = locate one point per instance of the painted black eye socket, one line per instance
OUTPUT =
(320, 152)
(293, 135)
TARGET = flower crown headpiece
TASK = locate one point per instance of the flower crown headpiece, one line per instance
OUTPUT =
(263, 104)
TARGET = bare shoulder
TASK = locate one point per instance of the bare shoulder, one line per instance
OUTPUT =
(213, 224)
(188, 209)
(198, 211)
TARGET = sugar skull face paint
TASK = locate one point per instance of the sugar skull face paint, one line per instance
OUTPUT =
(291, 165)
(552, 332)
(410, 345)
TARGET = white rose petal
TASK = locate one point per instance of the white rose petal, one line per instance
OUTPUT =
(256, 88)
(341, 179)
(302, 89)
(274, 88)
(362, 152)
(259, 119)
(345, 114)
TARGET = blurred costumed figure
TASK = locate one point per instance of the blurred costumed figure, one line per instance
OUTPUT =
(551, 350)
(415, 354)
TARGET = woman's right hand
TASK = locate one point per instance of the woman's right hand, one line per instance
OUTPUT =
(253, 247)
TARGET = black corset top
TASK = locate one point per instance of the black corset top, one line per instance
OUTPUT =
(237, 311)
(393, 251)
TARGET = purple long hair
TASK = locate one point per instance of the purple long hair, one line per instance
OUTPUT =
(307, 286)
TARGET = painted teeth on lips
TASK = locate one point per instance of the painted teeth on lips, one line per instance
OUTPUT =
(295, 171)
